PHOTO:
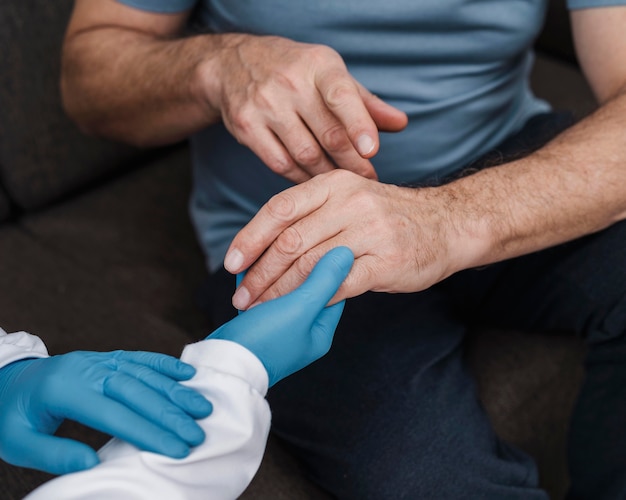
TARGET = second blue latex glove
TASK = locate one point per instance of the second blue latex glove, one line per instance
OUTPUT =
(134, 396)
(290, 332)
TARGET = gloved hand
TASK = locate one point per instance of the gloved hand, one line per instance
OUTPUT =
(134, 396)
(290, 332)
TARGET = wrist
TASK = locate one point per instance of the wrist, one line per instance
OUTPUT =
(209, 75)
(9, 373)
(465, 228)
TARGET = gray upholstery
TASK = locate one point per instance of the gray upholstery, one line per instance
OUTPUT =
(113, 262)
(5, 205)
(42, 154)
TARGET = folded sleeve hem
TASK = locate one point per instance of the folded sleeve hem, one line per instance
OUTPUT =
(228, 357)
(20, 345)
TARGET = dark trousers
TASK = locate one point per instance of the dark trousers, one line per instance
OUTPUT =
(392, 411)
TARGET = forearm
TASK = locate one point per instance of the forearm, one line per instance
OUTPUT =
(575, 185)
(138, 88)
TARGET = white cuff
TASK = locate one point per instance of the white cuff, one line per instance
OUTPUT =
(20, 345)
(228, 357)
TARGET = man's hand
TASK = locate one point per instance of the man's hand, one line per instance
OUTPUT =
(296, 106)
(293, 104)
(134, 396)
(401, 242)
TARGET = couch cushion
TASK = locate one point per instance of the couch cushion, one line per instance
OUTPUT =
(130, 237)
(115, 269)
(556, 37)
(5, 206)
(562, 85)
(43, 156)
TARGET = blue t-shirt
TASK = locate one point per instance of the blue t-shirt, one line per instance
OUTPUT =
(458, 68)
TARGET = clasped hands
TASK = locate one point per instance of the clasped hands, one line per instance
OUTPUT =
(403, 239)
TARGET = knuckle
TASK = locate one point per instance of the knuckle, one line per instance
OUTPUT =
(339, 176)
(280, 164)
(290, 241)
(242, 120)
(109, 384)
(322, 54)
(257, 279)
(305, 264)
(308, 154)
(282, 206)
(363, 201)
(338, 93)
(335, 139)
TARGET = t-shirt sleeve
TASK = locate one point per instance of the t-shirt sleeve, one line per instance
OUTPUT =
(161, 6)
(588, 4)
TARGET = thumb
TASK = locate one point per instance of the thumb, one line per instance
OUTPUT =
(324, 328)
(325, 279)
(386, 117)
(56, 455)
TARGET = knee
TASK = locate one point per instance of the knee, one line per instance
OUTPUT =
(432, 472)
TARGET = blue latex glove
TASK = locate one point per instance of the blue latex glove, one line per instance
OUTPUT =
(290, 332)
(134, 396)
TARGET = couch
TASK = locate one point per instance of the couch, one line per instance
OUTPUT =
(97, 252)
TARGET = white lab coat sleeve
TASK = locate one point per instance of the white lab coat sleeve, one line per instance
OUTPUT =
(235, 382)
(20, 345)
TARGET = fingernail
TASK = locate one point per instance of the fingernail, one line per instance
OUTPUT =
(241, 299)
(233, 260)
(365, 145)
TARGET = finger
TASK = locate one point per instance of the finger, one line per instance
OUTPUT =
(167, 365)
(296, 275)
(151, 405)
(53, 454)
(278, 213)
(238, 280)
(291, 253)
(332, 136)
(303, 147)
(324, 328)
(386, 117)
(111, 417)
(342, 96)
(269, 148)
(186, 398)
(364, 271)
(291, 246)
(320, 282)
